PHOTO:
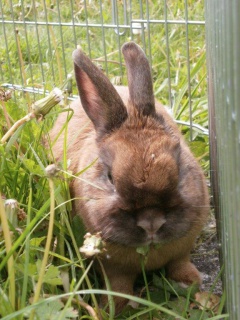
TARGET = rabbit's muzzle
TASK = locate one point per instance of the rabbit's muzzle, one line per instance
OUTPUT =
(145, 226)
(151, 221)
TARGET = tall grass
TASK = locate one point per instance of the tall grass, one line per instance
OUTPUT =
(42, 273)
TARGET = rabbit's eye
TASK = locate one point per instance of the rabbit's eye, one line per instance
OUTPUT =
(110, 178)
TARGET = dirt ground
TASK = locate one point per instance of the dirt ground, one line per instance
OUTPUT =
(206, 257)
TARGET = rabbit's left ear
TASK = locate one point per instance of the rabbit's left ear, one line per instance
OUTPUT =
(139, 79)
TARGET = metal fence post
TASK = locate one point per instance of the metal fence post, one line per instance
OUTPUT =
(223, 48)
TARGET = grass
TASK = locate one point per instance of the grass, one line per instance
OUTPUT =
(42, 271)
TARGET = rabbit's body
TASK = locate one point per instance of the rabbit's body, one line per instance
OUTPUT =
(145, 187)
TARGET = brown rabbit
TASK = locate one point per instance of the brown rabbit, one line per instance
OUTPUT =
(145, 188)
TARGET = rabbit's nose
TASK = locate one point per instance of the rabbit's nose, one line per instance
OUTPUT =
(151, 226)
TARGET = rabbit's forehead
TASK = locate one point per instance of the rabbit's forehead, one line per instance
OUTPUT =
(141, 148)
(142, 167)
(126, 153)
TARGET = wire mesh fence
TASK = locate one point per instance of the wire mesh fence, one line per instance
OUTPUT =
(39, 37)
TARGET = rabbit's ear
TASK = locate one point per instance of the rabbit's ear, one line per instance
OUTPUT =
(139, 79)
(99, 98)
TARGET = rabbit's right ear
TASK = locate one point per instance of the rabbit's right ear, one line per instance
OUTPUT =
(139, 79)
(99, 98)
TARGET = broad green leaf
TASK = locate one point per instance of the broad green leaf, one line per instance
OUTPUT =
(35, 242)
(159, 296)
(32, 269)
(143, 250)
(53, 310)
(173, 287)
(196, 314)
(52, 276)
(178, 305)
(198, 148)
(32, 167)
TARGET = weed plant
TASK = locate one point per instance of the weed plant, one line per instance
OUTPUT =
(42, 273)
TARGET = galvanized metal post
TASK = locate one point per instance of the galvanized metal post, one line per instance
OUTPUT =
(223, 48)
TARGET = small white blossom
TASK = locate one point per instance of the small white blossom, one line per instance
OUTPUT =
(92, 245)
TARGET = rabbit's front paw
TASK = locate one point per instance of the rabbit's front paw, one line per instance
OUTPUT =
(184, 272)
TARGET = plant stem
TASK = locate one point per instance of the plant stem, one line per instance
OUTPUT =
(10, 262)
(16, 125)
(84, 305)
(39, 109)
(146, 283)
(108, 287)
(6, 115)
(47, 247)
(81, 261)
(27, 248)
(79, 302)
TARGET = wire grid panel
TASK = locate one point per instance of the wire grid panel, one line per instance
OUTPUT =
(38, 39)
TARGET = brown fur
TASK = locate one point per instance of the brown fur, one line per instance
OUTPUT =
(150, 188)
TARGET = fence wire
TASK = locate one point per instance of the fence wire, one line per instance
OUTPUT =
(38, 39)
